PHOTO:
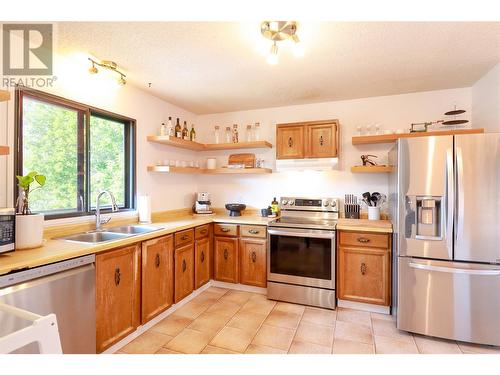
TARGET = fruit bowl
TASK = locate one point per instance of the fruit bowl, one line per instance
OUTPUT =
(235, 208)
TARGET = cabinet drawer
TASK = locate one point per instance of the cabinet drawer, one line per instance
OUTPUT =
(362, 239)
(202, 231)
(258, 231)
(184, 237)
(226, 230)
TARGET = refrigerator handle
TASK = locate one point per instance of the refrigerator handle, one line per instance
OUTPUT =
(467, 271)
(459, 209)
(450, 202)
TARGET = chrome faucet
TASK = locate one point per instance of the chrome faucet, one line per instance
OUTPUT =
(114, 207)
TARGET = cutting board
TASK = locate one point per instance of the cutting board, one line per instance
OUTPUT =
(247, 159)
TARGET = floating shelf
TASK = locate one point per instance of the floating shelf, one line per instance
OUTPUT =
(168, 169)
(390, 138)
(196, 146)
(371, 169)
(4, 150)
(4, 95)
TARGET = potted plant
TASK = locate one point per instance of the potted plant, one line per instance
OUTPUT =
(29, 226)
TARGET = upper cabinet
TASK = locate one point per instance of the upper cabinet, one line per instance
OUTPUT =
(315, 139)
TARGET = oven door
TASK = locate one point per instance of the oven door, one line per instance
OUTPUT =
(301, 257)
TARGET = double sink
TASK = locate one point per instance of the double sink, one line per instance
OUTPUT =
(110, 234)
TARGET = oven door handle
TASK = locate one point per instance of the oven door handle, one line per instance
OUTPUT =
(309, 233)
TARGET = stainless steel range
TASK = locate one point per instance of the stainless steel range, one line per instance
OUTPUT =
(301, 252)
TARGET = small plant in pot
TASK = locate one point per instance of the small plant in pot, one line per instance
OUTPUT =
(29, 226)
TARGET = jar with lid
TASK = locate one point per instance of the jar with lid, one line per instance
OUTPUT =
(235, 133)
(256, 132)
(249, 133)
(228, 134)
(217, 134)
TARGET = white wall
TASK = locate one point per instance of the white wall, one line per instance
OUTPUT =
(486, 101)
(391, 112)
(73, 82)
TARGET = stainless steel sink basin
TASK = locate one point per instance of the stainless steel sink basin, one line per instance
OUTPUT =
(94, 237)
(133, 229)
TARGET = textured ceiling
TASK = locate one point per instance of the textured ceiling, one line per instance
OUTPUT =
(210, 67)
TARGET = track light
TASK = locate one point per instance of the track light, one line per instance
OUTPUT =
(278, 31)
(109, 65)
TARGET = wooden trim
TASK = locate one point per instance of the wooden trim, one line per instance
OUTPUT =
(196, 146)
(390, 138)
(318, 122)
(372, 169)
(4, 95)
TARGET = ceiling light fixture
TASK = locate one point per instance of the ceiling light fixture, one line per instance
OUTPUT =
(278, 31)
(109, 65)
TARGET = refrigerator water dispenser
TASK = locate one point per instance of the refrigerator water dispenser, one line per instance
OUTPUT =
(428, 218)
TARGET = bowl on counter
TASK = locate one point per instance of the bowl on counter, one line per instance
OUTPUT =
(235, 208)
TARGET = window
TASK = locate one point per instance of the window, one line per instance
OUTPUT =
(81, 150)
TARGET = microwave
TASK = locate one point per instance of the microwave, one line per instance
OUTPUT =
(7, 229)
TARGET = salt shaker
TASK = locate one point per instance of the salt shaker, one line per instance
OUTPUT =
(256, 132)
(217, 134)
(249, 133)
(228, 134)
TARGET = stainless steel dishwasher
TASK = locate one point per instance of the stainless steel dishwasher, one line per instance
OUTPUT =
(66, 289)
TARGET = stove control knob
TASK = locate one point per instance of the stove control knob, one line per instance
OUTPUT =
(291, 203)
(334, 203)
(326, 203)
(284, 201)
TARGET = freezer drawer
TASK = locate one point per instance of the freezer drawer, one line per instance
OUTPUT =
(452, 300)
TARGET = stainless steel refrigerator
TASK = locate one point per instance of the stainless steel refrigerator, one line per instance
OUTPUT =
(446, 201)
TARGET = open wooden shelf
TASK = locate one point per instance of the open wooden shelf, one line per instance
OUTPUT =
(168, 169)
(371, 169)
(4, 150)
(389, 138)
(196, 146)
(4, 95)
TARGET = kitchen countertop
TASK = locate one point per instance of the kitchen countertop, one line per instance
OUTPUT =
(381, 226)
(57, 250)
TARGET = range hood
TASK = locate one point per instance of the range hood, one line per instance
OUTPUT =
(323, 164)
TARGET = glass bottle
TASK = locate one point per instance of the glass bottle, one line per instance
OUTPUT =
(228, 134)
(170, 128)
(256, 132)
(217, 134)
(178, 129)
(235, 133)
(185, 132)
(192, 133)
(249, 133)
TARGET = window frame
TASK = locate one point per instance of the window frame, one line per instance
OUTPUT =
(84, 114)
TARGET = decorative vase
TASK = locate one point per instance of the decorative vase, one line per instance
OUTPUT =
(29, 231)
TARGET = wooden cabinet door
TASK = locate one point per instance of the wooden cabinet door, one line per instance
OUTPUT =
(117, 295)
(364, 275)
(157, 276)
(226, 259)
(184, 271)
(321, 141)
(253, 262)
(201, 262)
(289, 142)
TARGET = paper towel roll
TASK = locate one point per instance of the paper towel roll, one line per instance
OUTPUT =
(144, 208)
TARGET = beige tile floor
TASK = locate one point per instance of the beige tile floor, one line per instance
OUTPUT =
(222, 321)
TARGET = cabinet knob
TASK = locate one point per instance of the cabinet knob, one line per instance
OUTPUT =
(290, 142)
(202, 257)
(184, 265)
(254, 257)
(185, 237)
(226, 254)
(225, 230)
(253, 231)
(363, 239)
(321, 140)
(203, 231)
(117, 276)
(157, 261)
(363, 268)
